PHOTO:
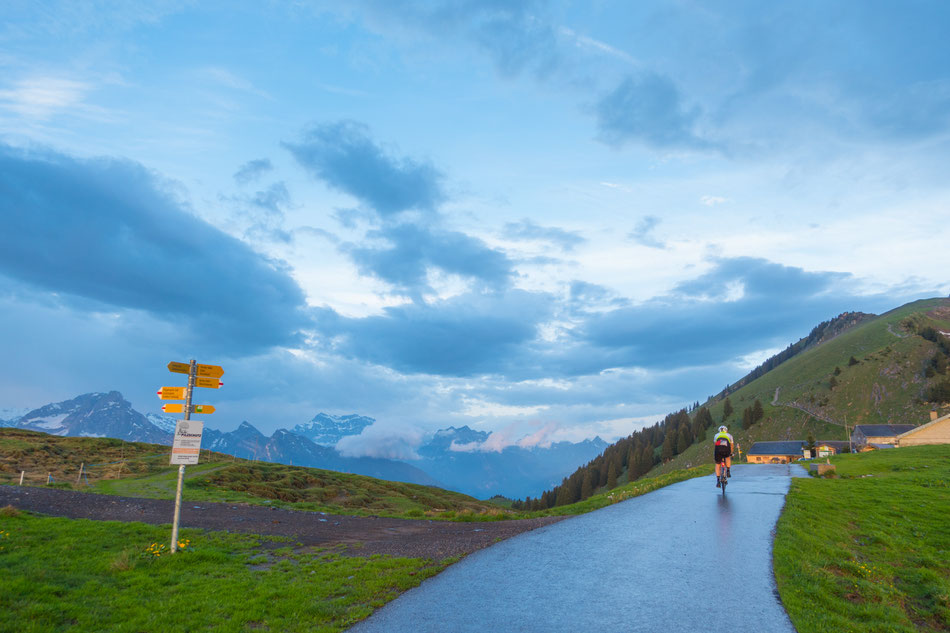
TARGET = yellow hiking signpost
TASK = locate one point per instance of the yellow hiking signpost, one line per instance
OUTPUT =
(171, 393)
(180, 408)
(186, 445)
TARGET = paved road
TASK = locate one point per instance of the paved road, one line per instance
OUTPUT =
(647, 564)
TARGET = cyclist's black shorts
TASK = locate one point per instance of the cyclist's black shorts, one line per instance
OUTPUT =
(722, 452)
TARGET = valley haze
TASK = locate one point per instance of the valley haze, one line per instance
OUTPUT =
(535, 223)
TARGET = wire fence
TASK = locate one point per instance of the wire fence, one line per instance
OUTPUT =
(82, 474)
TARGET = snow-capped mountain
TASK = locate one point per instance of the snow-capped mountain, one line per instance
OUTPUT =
(286, 447)
(166, 423)
(94, 415)
(9, 416)
(327, 430)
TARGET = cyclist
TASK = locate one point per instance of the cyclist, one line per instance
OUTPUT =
(723, 445)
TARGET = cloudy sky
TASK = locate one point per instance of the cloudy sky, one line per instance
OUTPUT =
(543, 219)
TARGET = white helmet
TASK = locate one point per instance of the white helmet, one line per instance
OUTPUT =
(723, 429)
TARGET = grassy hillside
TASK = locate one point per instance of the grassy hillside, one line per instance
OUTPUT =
(881, 379)
(869, 551)
(142, 470)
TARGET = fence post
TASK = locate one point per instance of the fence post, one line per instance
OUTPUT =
(22, 472)
(79, 478)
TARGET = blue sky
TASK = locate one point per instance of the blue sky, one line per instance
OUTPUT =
(548, 218)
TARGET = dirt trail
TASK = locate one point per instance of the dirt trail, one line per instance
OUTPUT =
(361, 536)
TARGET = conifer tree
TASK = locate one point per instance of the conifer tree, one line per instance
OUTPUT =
(757, 411)
(587, 488)
(666, 453)
(646, 460)
(612, 476)
(726, 410)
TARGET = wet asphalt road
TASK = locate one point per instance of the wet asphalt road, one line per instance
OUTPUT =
(682, 558)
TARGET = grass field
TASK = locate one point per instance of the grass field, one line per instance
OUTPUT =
(78, 575)
(869, 551)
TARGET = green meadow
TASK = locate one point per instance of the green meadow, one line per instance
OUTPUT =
(868, 550)
(77, 575)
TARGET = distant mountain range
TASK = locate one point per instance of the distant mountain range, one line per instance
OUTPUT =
(453, 458)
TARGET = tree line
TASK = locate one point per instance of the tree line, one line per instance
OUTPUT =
(636, 455)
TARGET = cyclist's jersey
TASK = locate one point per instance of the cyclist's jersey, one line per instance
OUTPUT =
(721, 438)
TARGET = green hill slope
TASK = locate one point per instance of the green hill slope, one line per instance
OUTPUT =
(137, 469)
(874, 373)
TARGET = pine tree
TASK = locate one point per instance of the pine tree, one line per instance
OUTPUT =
(666, 453)
(612, 475)
(726, 410)
(757, 411)
(746, 418)
(587, 488)
(646, 460)
(684, 439)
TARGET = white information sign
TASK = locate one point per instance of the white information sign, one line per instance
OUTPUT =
(187, 444)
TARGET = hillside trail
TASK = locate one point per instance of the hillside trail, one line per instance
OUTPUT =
(889, 325)
(814, 414)
(795, 405)
(681, 558)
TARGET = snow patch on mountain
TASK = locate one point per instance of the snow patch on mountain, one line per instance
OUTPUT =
(166, 423)
(327, 430)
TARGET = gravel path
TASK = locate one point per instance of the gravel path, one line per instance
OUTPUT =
(361, 536)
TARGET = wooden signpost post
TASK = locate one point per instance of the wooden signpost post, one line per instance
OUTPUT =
(186, 446)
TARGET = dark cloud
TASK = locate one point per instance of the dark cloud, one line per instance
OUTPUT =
(343, 155)
(414, 249)
(105, 231)
(643, 233)
(528, 230)
(467, 335)
(252, 170)
(741, 305)
(647, 108)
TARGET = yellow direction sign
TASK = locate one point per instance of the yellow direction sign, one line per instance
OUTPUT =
(179, 368)
(171, 393)
(210, 371)
(204, 381)
(180, 408)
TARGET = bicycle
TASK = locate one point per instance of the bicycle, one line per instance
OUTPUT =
(723, 479)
